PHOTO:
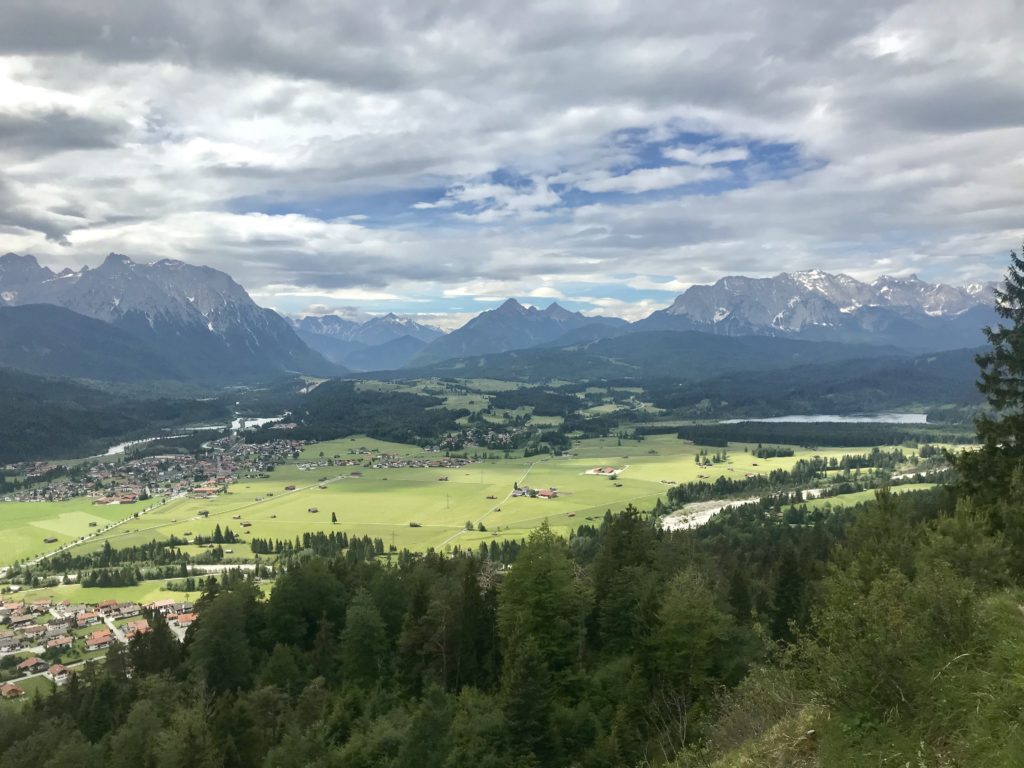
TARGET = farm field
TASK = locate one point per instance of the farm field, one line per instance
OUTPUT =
(145, 592)
(383, 502)
(24, 525)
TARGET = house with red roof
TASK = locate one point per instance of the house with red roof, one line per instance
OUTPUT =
(59, 674)
(136, 628)
(11, 691)
(63, 641)
(101, 638)
(31, 665)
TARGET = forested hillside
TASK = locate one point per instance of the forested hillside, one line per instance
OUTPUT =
(48, 418)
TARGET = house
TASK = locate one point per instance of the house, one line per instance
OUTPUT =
(87, 618)
(58, 673)
(135, 628)
(11, 691)
(163, 606)
(22, 621)
(186, 619)
(127, 610)
(101, 638)
(106, 606)
(547, 493)
(31, 664)
(34, 632)
(64, 641)
(58, 626)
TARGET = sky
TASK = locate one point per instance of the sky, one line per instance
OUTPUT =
(432, 158)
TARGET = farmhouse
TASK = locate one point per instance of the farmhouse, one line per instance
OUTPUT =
(11, 691)
(185, 619)
(547, 493)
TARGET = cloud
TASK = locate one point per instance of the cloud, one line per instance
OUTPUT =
(649, 179)
(706, 156)
(488, 201)
(38, 133)
(420, 155)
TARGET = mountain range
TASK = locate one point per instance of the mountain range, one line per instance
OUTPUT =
(905, 312)
(512, 326)
(168, 320)
(198, 320)
(380, 343)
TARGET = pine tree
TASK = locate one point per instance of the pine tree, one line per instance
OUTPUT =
(1002, 368)
(1002, 383)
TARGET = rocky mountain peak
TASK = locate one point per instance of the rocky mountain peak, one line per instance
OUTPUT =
(511, 306)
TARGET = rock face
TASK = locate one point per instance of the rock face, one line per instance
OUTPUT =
(908, 311)
(510, 326)
(197, 317)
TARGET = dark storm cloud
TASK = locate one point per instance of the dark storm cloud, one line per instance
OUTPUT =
(56, 130)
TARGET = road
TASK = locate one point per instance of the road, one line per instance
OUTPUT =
(99, 532)
(40, 674)
(496, 506)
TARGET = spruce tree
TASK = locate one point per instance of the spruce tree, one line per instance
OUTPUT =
(1001, 381)
(1002, 368)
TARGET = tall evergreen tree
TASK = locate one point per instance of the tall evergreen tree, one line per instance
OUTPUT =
(1002, 383)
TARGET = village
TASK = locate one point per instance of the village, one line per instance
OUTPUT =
(223, 462)
(49, 639)
(130, 479)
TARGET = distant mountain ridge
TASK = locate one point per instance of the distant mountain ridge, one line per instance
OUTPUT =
(907, 312)
(377, 330)
(384, 342)
(198, 318)
(510, 326)
(648, 355)
(200, 324)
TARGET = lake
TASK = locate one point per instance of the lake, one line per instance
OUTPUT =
(862, 418)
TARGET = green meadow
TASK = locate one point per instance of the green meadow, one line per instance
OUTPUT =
(383, 502)
(852, 499)
(24, 525)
